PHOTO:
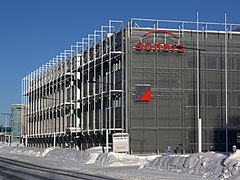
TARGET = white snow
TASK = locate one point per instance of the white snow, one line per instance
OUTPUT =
(209, 165)
(118, 159)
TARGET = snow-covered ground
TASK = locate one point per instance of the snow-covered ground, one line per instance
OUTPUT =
(210, 165)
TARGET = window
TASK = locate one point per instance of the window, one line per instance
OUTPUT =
(91, 75)
(85, 78)
(98, 105)
(117, 65)
(118, 102)
(85, 107)
(91, 106)
(105, 103)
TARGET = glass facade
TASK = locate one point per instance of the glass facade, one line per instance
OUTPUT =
(17, 122)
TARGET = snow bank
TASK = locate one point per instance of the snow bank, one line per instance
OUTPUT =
(60, 153)
(73, 154)
(118, 159)
(25, 150)
(232, 165)
(57, 153)
(209, 165)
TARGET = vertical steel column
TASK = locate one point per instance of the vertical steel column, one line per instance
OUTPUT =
(26, 112)
(198, 93)
(41, 74)
(112, 49)
(101, 79)
(94, 78)
(82, 86)
(88, 78)
(124, 79)
(127, 92)
(22, 111)
(78, 91)
(37, 102)
(226, 80)
(38, 88)
(52, 106)
(47, 94)
(63, 85)
(48, 108)
(71, 84)
(71, 87)
(57, 93)
(42, 101)
(94, 73)
(34, 104)
(109, 76)
(102, 98)
(31, 103)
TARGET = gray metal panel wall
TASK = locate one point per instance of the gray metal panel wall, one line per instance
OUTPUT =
(169, 118)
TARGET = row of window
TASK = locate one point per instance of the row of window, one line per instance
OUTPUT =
(214, 62)
(117, 102)
(213, 99)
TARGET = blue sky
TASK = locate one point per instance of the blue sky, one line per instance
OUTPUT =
(34, 32)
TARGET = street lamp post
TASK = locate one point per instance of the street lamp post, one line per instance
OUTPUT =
(199, 119)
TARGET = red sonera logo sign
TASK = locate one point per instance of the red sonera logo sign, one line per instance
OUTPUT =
(143, 92)
(156, 46)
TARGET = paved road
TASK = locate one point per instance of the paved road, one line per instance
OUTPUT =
(18, 170)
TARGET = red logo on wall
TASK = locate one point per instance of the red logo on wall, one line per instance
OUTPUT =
(143, 92)
(157, 47)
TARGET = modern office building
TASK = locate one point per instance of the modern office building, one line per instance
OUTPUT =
(168, 84)
(17, 122)
(5, 134)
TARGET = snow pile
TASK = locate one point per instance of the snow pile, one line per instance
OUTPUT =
(60, 153)
(38, 152)
(232, 165)
(72, 154)
(118, 159)
(209, 165)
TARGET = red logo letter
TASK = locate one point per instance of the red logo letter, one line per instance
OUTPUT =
(180, 48)
(173, 47)
(157, 47)
(139, 46)
(166, 47)
(148, 46)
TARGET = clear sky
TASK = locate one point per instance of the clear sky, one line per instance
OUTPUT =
(33, 32)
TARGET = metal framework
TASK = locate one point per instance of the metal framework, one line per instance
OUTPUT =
(65, 107)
